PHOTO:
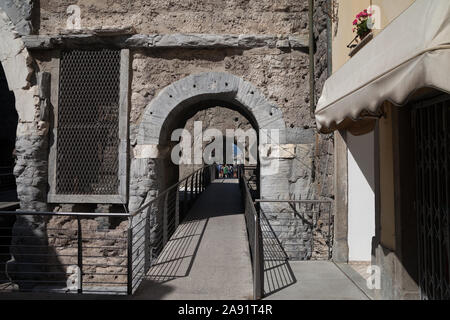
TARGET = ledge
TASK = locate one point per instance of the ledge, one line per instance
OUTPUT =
(360, 45)
(93, 38)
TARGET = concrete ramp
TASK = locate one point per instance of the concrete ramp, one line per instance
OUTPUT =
(208, 256)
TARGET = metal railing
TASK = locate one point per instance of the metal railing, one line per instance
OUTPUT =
(156, 221)
(303, 228)
(283, 230)
(255, 240)
(68, 252)
(63, 252)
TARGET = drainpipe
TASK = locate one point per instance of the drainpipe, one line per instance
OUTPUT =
(312, 83)
(329, 44)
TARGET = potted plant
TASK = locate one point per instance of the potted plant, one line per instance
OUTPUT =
(363, 23)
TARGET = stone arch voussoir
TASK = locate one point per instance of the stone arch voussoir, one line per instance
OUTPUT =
(184, 93)
(219, 86)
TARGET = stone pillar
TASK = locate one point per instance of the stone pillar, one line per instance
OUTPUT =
(149, 170)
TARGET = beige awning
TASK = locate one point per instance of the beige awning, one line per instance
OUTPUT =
(411, 53)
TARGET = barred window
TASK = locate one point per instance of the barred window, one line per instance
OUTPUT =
(90, 129)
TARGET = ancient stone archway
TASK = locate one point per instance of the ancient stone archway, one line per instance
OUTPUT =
(184, 98)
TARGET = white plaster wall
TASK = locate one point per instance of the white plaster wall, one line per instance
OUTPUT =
(361, 196)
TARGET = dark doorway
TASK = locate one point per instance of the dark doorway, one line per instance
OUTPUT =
(8, 127)
(8, 192)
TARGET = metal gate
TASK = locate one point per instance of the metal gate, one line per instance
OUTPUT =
(431, 122)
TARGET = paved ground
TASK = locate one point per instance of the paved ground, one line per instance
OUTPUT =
(361, 268)
(314, 280)
(208, 256)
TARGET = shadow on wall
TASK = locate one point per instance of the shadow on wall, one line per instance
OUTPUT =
(45, 256)
(33, 264)
(278, 274)
(361, 149)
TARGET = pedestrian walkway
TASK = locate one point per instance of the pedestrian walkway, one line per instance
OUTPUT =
(208, 255)
(318, 280)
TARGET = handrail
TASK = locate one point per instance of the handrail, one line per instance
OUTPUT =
(314, 212)
(59, 213)
(252, 220)
(167, 216)
(146, 205)
(292, 201)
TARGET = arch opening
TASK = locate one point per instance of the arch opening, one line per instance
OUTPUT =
(178, 117)
(151, 172)
(8, 127)
(235, 130)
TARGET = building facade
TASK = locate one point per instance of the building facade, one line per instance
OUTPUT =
(390, 116)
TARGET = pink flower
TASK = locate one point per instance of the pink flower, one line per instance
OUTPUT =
(355, 22)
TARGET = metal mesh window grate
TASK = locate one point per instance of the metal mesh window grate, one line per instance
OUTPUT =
(87, 161)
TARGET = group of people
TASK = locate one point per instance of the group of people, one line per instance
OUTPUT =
(226, 171)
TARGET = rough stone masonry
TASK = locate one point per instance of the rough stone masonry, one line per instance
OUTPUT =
(261, 42)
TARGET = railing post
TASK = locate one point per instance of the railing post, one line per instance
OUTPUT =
(177, 207)
(165, 218)
(196, 185)
(80, 255)
(313, 224)
(330, 238)
(260, 257)
(259, 276)
(130, 258)
(203, 179)
(192, 190)
(185, 203)
(212, 177)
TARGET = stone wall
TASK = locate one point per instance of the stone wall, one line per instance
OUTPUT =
(50, 254)
(182, 16)
(324, 144)
(280, 73)
(20, 12)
